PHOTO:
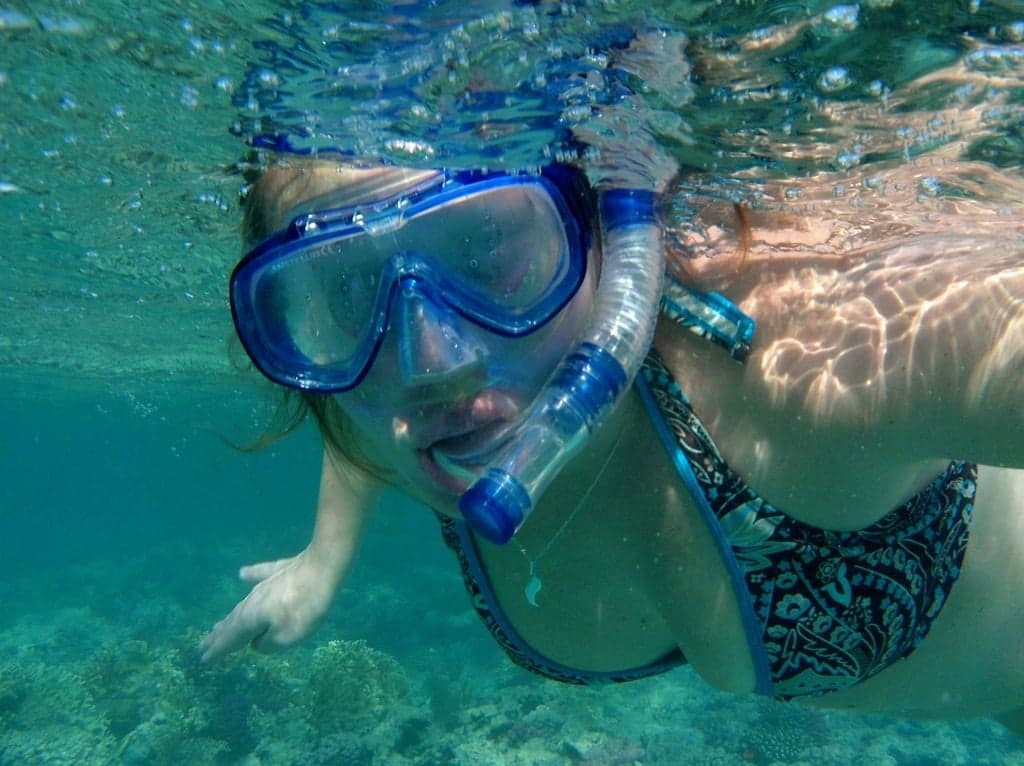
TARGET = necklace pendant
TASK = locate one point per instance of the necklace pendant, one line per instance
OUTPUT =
(531, 590)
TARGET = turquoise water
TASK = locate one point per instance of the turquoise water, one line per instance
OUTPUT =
(123, 512)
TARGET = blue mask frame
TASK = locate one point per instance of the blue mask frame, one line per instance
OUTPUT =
(270, 345)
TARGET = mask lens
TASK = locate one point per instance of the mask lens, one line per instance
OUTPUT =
(312, 308)
(321, 299)
(506, 246)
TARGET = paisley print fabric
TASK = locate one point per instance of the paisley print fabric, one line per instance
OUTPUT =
(835, 607)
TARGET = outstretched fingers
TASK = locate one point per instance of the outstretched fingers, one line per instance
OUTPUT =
(263, 570)
(239, 628)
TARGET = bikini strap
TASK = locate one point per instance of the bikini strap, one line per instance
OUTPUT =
(709, 315)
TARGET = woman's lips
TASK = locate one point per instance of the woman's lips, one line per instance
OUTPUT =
(473, 433)
(469, 447)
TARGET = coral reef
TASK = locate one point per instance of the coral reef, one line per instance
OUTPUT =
(137, 704)
(47, 716)
(79, 688)
(350, 683)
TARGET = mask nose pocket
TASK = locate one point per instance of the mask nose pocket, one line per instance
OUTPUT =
(434, 341)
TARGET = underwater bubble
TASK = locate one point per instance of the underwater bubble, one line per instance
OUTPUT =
(423, 112)
(64, 25)
(794, 192)
(763, 34)
(835, 79)
(966, 91)
(906, 133)
(995, 115)
(992, 60)
(849, 158)
(410, 148)
(875, 183)
(269, 78)
(576, 114)
(189, 96)
(224, 83)
(214, 199)
(930, 186)
(11, 19)
(843, 17)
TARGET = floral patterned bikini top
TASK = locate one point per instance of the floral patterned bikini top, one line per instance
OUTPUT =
(822, 610)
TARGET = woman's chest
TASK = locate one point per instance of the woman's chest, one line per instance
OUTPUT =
(583, 606)
(636, 575)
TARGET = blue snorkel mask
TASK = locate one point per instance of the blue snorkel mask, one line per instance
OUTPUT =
(312, 303)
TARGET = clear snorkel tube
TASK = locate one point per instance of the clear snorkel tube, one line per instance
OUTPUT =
(591, 379)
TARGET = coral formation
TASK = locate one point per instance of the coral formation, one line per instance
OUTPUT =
(782, 734)
(350, 682)
(138, 704)
(47, 716)
(76, 688)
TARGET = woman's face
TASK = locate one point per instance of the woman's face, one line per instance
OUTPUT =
(444, 394)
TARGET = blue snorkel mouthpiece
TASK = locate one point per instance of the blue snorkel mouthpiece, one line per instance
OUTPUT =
(590, 381)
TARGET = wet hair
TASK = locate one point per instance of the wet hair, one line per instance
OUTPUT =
(687, 243)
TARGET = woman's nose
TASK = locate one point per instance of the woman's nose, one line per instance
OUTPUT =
(435, 344)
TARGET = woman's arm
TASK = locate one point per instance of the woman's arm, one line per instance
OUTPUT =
(970, 342)
(921, 338)
(884, 312)
(346, 501)
(292, 595)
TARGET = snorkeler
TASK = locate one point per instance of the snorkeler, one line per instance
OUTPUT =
(793, 486)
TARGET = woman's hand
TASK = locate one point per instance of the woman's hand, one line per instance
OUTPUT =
(289, 600)
(291, 596)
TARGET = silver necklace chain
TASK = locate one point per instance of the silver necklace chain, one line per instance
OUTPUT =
(534, 584)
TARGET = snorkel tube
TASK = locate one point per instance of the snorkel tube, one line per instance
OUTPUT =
(591, 380)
